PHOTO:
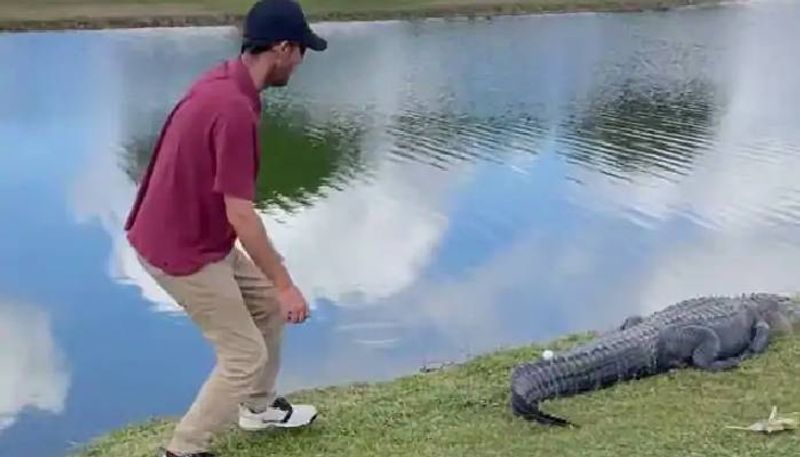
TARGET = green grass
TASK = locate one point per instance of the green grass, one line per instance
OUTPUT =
(49, 14)
(462, 411)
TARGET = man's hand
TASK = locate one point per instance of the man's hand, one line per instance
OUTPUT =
(293, 305)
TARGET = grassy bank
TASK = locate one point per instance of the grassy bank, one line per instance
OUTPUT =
(81, 14)
(463, 411)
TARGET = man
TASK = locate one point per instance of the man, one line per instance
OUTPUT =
(195, 201)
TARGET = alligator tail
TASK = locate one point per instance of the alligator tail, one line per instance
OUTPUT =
(532, 412)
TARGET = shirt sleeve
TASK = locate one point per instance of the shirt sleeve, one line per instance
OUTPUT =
(234, 140)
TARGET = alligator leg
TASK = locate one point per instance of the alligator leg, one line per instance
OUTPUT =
(760, 337)
(707, 350)
(757, 345)
(699, 344)
(702, 357)
(631, 322)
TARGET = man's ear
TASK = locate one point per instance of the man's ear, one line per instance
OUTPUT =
(285, 46)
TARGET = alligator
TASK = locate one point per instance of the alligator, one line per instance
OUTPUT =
(712, 333)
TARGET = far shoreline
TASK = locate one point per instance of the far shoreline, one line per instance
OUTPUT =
(107, 18)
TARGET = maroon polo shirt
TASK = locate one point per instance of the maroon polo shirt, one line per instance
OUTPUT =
(208, 147)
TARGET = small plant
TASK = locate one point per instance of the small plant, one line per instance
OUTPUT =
(772, 424)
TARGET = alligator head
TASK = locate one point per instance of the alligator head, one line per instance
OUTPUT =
(782, 313)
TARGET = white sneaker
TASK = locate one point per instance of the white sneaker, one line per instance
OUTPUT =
(280, 414)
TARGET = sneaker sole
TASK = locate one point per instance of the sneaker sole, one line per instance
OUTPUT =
(256, 425)
(289, 424)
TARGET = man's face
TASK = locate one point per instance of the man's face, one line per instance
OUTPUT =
(289, 56)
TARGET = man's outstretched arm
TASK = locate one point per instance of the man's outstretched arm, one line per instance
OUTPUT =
(235, 145)
(251, 232)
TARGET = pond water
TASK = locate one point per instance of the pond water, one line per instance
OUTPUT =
(439, 188)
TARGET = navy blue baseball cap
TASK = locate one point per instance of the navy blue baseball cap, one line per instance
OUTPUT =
(270, 21)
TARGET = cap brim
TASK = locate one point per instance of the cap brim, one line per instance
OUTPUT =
(314, 41)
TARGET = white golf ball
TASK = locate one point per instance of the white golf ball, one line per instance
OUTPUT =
(548, 354)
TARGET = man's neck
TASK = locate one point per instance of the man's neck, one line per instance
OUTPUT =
(257, 71)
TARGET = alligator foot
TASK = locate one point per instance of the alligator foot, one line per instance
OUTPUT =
(725, 364)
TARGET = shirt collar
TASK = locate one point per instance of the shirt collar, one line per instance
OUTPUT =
(244, 82)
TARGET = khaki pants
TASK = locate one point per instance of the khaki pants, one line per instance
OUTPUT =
(236, 308)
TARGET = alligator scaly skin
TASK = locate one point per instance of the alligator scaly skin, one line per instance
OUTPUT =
(630, 352)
